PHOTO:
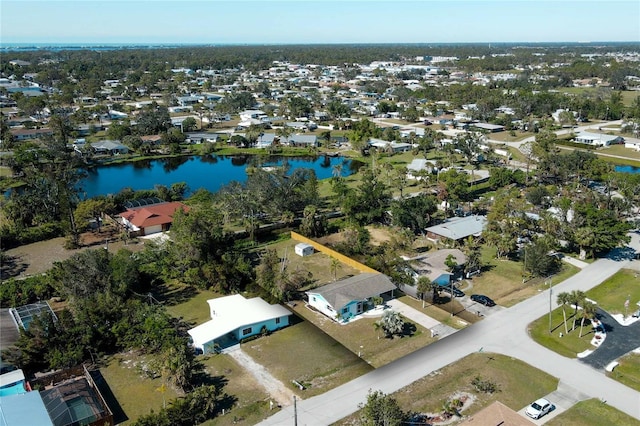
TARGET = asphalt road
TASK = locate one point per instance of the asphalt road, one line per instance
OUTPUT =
(504, 332)
(620, 340)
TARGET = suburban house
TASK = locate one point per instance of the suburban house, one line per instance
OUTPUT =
(265, 140)
(352, 296)
(24, 408)
(433, 265)
(457, 228)
(109, 147)
(27, 134)
(303, 140)
(151, 139)
(150, 219)
(491, 128)
(198, 138)
(386, 146)
(497, 414)
(234, 318)
(598, 139)
(419, 165)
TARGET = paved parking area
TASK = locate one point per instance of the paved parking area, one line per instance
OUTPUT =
(424, 320)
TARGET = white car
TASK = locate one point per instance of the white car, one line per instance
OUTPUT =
(539, 408)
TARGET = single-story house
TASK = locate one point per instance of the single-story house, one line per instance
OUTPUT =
(633, 145)
(198, 138)
(493, 128)
(265, 140)
(351, 296)
(26, 134)
(145, 220)
(598, 139)
(418, 165)
(497, 414)
(394, 147)
(303, 140)
(109, 147)
(151, 139)
(234, 318)
(458, 228)
(433, 265)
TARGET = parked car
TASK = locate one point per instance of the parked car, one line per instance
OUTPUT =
(453, 291)
(483, 300)
(539, 408)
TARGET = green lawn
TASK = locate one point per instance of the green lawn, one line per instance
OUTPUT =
(612, 293)
(304, 353)
(569, 344)
(189, 304)
(136, 393)
(507, 137)
(518, 383)
(502, 279)
(628, 371)
(438, 313)
(593, 412)
(361, 337)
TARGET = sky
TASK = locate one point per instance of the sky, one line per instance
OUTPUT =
(328, 21)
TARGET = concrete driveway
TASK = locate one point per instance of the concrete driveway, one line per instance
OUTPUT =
(563, 398)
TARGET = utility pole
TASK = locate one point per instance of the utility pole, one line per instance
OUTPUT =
(550, 292)
(295, 412)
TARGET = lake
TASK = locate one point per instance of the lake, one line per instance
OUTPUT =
(210, 172)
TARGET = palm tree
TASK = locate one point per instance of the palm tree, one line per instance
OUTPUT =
(577, 298)
(563, 299)
(424, 285)
(588, 312)
(391, 323)
(335, 265)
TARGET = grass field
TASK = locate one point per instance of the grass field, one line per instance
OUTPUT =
(621, 151)
(612, 293)
(628, 96)
(439, 313)
(518, 383)
(136, 393)
(628, 371)
(502, 279)
(304, 353)
(507, 137)
(569, 344)
(593, 412)
(360, 336)
(189, 304)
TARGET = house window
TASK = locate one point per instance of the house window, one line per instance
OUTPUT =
(246, 331)
(277, 320)
(345, 310)
(313, 298)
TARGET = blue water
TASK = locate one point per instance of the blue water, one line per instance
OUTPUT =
(627, 169)
(208, 172)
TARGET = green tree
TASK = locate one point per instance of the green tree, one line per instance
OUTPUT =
(381, 410)
(588, 312)
(189, 124)
(391, 323)
(424, 286)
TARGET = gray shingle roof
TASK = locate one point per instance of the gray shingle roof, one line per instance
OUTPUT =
(359, 287)
(460, 227)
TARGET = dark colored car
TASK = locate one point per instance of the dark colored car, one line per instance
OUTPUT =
(482, 299)
(456, 292)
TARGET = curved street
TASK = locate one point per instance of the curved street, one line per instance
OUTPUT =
(620, 340)
(504, 332)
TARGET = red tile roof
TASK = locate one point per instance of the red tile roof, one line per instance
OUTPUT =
(155, 214)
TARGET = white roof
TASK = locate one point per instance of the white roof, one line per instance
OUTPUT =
(11, 377)
(232, 312)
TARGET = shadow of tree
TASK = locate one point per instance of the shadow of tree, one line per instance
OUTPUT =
(174, 296)
(11, 266)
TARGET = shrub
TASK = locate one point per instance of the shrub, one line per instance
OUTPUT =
(486, 386)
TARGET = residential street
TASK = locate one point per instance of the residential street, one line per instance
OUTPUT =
(504, 332)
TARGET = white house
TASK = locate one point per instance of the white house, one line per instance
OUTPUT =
(598, 139)
(352, 296)
(418, 165)
(234, 318)
(394, 147)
